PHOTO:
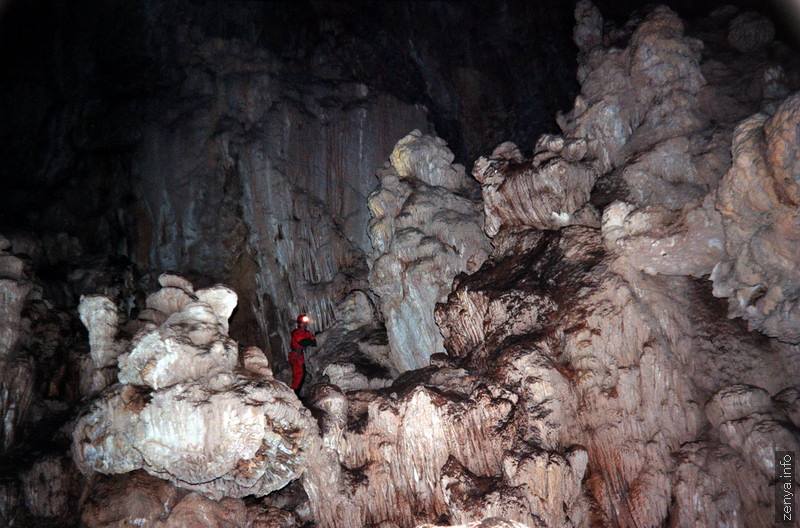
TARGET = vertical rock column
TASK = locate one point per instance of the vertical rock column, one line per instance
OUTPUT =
(425, 229)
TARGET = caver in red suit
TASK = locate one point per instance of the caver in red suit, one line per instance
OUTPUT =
(301, 338)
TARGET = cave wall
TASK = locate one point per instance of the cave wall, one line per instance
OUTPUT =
(591, 377)
(168, 133)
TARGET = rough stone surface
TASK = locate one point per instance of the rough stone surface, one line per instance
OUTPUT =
(183, 413)
(9, 498)
(190, 344)
(197, 511)
(123, 500)
(750, 31)
(426, 234)
(354, 352)
(17, 371)
(49, 487)
(254, 360)
(615, 353)
(591, 378)
(758, 200)
(544, 192)
(271, 518)
(100, 316)
(491, 522)
(659, 241)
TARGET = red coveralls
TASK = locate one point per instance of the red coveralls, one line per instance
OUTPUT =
(296, 356)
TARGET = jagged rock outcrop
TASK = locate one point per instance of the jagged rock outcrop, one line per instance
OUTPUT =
(545, 192)
(491, 522)
(590, 375)
(588, 357)
(36, 339)
(628, 338)
(9, 501)
(450, 446)
(354, 352)
(625, 363)
(758, 200)
(143, 500)
(182, 411)
(115, 499)
(425, 229)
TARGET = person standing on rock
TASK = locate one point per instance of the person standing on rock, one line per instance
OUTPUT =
(301, 338)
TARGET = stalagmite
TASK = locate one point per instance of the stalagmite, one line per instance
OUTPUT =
(425, 229)
(182, 412)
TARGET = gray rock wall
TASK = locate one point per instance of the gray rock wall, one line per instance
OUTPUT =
(265, 185)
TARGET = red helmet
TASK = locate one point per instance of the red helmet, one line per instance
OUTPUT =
(303, 318)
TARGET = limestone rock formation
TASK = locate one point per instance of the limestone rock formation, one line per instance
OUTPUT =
(182, 411)
(614, 353)
(17, 366)
(9, 501)
(545, 192)
(659, 241)
(591, 377)
(425, 229)
(559, 355)
(115, 499)
(139, 499)
(50, 487)
(197, 511)
(758, 200)
(442, 454)
(16, 374)
(354, 352)
(491, 522)
(750, 31)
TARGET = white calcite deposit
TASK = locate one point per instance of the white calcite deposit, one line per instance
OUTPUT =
(758, 200)
(591, 377)
(425, 229)
(183, 412)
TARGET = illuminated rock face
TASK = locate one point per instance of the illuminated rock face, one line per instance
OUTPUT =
(582, 372)
(591, 376)
(630, 361)
(184, 412)
(289, 229)
(758, 199)
(571, 394)
(424, 230)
